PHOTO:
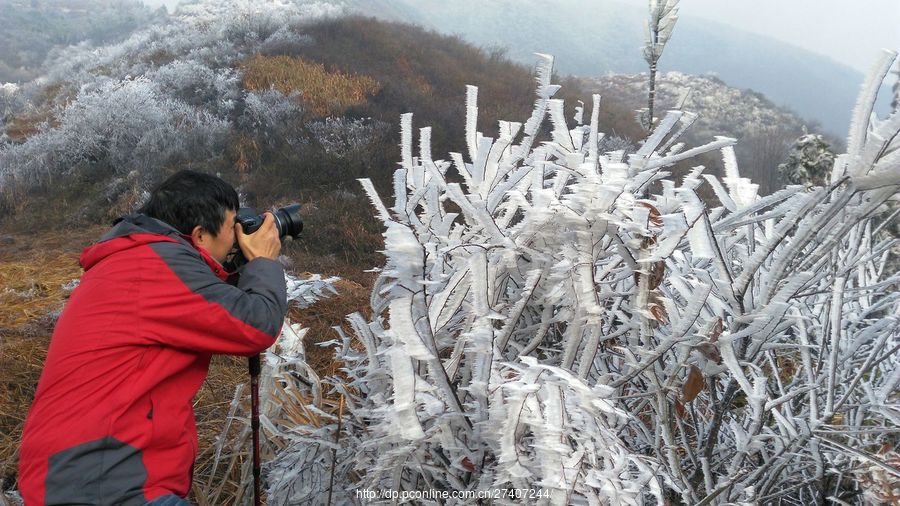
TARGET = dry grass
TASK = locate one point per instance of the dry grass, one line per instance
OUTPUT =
(31, 293)
(212, 408)
(323, 92)
(33, 287)
(33, 269)
(20, 128)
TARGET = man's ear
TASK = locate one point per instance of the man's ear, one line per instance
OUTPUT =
(198, 234)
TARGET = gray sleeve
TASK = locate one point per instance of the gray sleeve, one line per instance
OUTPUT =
(265, 278)
(259, 300)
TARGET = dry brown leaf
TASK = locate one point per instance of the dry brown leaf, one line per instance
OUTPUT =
(716, 331)
(693, 385)
(710, 351)
(655, 216)
(657, 273)
(659, 313)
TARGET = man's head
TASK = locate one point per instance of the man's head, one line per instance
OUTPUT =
(199, 205)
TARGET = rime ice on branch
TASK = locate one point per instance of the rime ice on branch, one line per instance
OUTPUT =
(570, 320)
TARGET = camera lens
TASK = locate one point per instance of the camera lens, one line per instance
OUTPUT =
(289, 221)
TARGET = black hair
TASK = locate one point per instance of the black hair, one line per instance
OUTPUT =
(189, 198)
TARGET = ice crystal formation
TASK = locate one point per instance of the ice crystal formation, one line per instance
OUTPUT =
(581, 322)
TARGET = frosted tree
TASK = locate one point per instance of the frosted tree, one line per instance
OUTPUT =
(810, 161)
(12, 101)
(274, 117)
(663, 15)
(346, 137)
(578, 322)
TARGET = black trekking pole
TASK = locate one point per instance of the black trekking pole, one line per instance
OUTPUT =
(254, 425)
(254, 366)
(290, 224)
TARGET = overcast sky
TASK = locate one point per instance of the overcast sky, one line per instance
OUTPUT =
(851, 32)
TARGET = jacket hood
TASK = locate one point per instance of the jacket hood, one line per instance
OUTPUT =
(137, 230)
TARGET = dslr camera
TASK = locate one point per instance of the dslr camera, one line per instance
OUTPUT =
(287, 219)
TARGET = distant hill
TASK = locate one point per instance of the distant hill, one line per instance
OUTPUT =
(600, 37)
(765, 132)
(31, 29)
(587, 38)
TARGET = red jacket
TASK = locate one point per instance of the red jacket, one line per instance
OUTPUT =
(112, 420)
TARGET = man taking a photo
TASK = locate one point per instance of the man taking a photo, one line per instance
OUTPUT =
(112, 420)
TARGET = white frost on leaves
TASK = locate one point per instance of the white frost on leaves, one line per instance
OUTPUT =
(305, 292)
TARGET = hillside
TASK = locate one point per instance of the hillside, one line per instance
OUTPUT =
(297, 98)
(765, 132)
(292, 103)
(237, 123)
(587, 40)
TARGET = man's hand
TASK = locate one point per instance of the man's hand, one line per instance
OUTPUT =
(262, 243)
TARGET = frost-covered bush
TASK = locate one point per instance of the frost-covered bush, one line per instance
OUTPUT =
(12, 101)
(116, 128)
(346, 137)
(274, 118)
(249, 22)
(215, 90)
(548, 323)
(286, 40)
(214, 33)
